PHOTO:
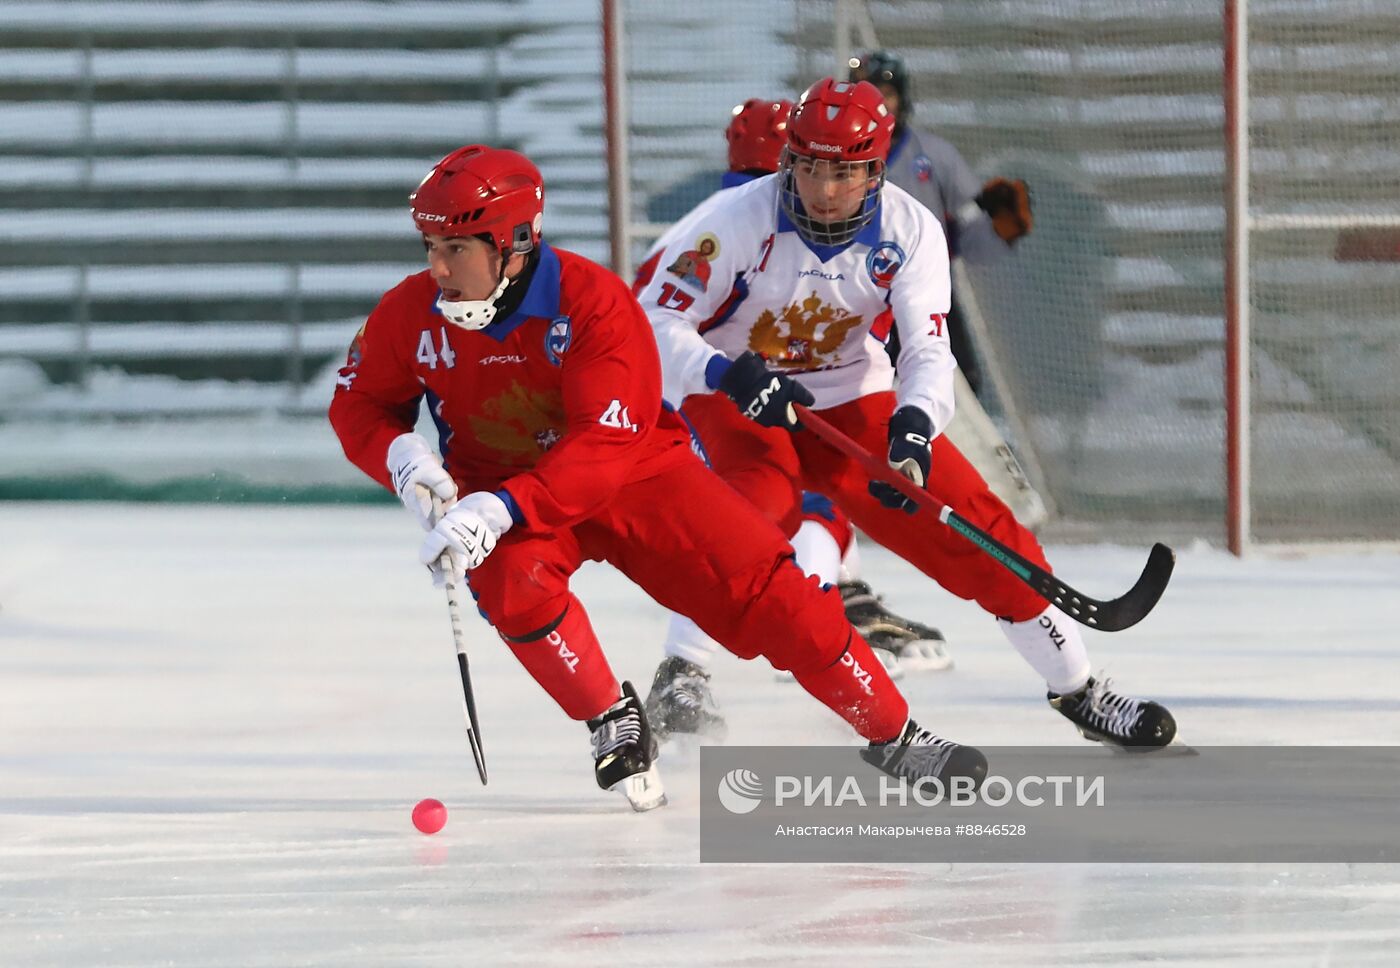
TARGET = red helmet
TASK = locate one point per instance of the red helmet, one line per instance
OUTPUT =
(841, 121)
(840, 125)
(478, 190)
(757, 133)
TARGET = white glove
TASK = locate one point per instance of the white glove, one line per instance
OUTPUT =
(418, 475)
(467, 533)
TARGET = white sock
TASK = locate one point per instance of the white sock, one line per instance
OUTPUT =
(685, 641)
(1051, 643)
(817, 552)
(850, 561)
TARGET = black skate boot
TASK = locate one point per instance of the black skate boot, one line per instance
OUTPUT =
(915, 647)
(624, 752)
(680, 701)
(918, 753)
(1115, 720)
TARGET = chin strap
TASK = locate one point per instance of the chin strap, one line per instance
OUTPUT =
(473, 313)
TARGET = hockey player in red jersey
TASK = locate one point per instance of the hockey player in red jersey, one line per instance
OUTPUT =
(541, 373)
(822, 259)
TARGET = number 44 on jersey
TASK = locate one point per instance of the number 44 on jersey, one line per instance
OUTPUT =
(616, 416)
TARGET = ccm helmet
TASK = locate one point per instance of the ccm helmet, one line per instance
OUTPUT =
(490, 193)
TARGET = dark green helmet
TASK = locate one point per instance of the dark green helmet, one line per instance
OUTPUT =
(883, 67)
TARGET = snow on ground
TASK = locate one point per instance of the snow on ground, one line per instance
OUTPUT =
(214, 722)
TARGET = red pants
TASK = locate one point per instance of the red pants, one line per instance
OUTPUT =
(771, 467)
(698, 548)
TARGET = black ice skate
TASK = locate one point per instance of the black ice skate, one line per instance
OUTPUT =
(624, 752)
(1115, 720)
(915, 647)
(918, 754)
(680, 701)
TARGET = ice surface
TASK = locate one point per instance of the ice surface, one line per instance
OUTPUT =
(215, 722)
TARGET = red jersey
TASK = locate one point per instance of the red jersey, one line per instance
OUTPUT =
(558, 404)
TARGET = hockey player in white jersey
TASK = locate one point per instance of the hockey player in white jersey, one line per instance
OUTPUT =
(806, 272)
(680, 700)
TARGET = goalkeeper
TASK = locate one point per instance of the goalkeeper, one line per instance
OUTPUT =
(983, 222)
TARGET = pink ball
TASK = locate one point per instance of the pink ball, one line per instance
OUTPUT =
(429, 816)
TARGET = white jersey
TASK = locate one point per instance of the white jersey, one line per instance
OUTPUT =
(735, 275)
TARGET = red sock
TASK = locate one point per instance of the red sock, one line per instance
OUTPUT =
(857, 688)
(569, 663)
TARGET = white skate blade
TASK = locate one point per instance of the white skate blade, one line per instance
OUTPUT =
(894, 665)
(1175, 748)
(924, 655)
(643, 790)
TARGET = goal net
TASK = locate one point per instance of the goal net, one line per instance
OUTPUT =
(683, 68)
(1105, 336)
(1315, 445)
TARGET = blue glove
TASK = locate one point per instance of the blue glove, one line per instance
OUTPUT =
(763, 397)
(910, 432)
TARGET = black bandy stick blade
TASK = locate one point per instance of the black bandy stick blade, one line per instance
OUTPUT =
(1118, 613)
